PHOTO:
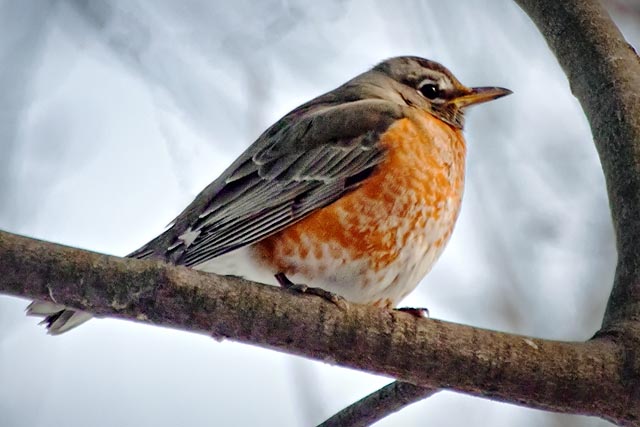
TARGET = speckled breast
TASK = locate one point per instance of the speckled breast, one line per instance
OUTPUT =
(376, 243)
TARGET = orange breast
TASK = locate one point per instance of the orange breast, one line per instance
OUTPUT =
(417, 186)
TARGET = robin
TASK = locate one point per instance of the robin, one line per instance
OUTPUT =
(355, 192)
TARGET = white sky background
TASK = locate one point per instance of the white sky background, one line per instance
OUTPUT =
(114, 115)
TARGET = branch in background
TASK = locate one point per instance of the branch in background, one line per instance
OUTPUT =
(585, 378)
(604, 73)
(379, 404)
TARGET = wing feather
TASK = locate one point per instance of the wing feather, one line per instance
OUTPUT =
(305, 161)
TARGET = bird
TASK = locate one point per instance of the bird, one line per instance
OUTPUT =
(355, 192)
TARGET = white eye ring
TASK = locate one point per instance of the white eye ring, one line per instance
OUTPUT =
(431, 90)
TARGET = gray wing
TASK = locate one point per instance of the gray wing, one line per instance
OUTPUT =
(305, 161)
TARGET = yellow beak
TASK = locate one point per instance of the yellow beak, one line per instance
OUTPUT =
(478, 95)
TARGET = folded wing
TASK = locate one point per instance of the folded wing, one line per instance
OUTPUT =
(305, 161)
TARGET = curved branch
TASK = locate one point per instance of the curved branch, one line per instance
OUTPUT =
(586, 378)
(604, 73)
(379, 404)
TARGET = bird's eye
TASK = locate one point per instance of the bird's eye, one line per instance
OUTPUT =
(430, 90)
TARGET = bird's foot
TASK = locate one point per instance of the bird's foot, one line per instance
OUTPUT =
(336, 299)
(420, 312)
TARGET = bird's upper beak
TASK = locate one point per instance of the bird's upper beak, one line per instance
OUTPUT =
(478, 95)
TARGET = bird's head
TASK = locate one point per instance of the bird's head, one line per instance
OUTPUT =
(429, 86)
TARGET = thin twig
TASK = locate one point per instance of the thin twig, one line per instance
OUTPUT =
(379, 404)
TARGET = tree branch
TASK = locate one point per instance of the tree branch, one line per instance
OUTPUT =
(604, 73)
(585, 378)
(379, 404)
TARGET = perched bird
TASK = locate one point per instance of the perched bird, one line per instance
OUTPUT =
(355, 192)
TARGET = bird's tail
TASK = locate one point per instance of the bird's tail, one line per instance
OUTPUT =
(57, 318)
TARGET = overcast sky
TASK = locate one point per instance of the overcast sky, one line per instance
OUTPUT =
(115, 114)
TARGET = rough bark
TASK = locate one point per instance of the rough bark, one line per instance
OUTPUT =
(584, 378)
(372, 408)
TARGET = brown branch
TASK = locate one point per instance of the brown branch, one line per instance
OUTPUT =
(604, 72)
(584, 378)
(379, 404)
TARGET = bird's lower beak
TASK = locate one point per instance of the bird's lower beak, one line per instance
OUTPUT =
(478, 95)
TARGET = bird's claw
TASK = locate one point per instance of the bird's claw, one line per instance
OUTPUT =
(336, 299)
(419, 312)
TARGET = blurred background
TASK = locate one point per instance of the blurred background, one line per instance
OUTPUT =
(114, 115)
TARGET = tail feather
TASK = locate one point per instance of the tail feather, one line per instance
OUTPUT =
(57, 318)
